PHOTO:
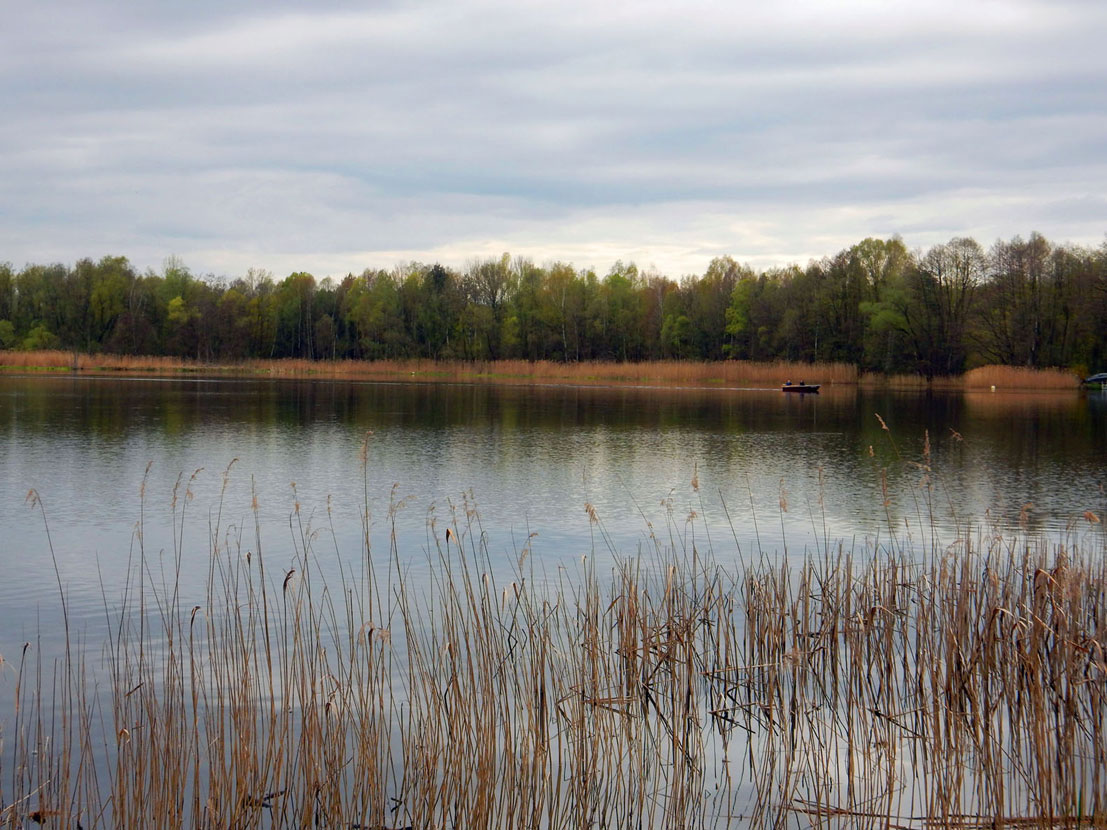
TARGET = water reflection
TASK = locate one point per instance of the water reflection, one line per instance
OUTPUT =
(132, 470)
(774, 472)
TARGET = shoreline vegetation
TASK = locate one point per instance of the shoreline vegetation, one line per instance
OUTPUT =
(667, 373)
(876, 305)
(688, 687)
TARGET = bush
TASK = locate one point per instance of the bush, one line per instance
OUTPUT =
(40, 338)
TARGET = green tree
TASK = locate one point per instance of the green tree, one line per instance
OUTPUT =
(740, 329)
(881, 261)
(44, 303)
(111, 282)
(936, 305)
(563, 303)
(295, 329)
(620, 328)
(1089, 284)
(180, 327)
(7, 291)
(375, 311)
(528, 330)
(231, 339)
(677, 336)
(839, 289)
(326, 338)
(486, 287)
(886, 327)
(1030, 305)
(431, 304)
(39, 338)
(136, 329)
(709, 298)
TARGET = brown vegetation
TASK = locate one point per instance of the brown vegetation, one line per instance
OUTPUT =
(58, 360)
(877, 305)
(965, 689)
(719, 374)
(1005, 378)
(1018, 377)
(656, 373)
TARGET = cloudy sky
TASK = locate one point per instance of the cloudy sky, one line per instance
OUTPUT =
(334, 136)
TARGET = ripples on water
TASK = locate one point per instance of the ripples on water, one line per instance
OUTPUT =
(774, 472)
(741, 476)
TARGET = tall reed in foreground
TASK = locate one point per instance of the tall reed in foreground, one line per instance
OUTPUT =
(966, 687)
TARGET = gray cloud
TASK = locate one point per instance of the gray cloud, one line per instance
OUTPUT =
(343, 135)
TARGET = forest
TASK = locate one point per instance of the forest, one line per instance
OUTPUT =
(877, 305)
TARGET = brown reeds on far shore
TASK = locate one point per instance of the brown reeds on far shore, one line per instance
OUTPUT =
(730, 373)
(1000, 378)
(1020, 378)
(661, 373)
(58, 360)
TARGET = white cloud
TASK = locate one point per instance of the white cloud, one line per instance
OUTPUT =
(325, 137)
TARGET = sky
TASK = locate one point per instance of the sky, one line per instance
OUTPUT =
(331, 137)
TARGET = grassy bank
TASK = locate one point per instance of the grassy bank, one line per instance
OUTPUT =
(726, 374)
(674, 689)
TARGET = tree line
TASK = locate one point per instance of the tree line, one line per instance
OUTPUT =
(877, 305)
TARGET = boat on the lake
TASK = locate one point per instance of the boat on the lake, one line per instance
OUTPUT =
(1100, 378)
(799, 387)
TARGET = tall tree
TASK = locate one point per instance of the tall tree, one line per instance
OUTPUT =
(1013, 315)
(709, 297)
(7, 291)
(295, 317)
(936, 305)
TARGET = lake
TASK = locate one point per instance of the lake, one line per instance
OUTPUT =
(114, 492)
(738, 472)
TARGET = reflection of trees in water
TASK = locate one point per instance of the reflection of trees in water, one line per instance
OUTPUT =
(994, 451)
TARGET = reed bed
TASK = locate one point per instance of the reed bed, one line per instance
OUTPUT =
(58, 360)
(992, 378)
(657, 373)
(674, 372)
(966, 687)
(729, 373)
(359, 369)
(1020, 377)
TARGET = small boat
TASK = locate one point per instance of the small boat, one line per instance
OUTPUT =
(800, 387)
(1098, 378)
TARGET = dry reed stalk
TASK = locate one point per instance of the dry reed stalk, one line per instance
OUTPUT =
(962, 688)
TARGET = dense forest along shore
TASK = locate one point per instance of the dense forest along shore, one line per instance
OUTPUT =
(877, 306)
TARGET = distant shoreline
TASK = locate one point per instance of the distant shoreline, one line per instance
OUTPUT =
(662, 374)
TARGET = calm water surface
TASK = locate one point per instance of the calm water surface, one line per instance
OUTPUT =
(511, 466)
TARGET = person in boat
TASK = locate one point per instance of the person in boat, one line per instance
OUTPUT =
(802, 383)
(787, 383)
